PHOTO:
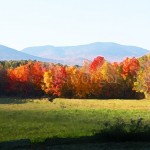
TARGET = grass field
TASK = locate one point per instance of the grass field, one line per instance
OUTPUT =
(38, 120)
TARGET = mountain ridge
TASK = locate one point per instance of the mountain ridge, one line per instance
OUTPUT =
(70, 54)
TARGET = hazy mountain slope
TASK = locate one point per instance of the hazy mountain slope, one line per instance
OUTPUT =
(75, 54)
(7, 53)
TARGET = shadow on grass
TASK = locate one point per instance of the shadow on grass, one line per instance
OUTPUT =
(12, 100)
(135, 131)
(120, 131)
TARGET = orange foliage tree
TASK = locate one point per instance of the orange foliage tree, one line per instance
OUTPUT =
(26, 80)
(128, 70)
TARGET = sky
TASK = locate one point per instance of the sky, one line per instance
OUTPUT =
(25, 23)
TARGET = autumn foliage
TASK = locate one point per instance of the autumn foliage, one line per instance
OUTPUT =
(54, 80)
(96, 79)
(26, 80)
(96, 63)
(142, 83)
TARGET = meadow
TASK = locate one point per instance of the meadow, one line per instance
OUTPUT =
(39, 119)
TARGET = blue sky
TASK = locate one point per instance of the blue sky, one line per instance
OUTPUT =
(26, 23)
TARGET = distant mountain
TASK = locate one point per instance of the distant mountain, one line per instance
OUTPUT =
(7, 53)
(76, 54)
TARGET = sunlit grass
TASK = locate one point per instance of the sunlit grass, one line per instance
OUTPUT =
(44, 104)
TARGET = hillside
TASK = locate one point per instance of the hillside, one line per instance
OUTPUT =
(7, 53)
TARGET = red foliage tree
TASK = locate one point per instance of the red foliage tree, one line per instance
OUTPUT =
(54, 79)
(96, 63)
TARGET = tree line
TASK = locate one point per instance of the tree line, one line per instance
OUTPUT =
(128, 79)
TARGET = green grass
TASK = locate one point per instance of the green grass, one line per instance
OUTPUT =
(40, 119)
